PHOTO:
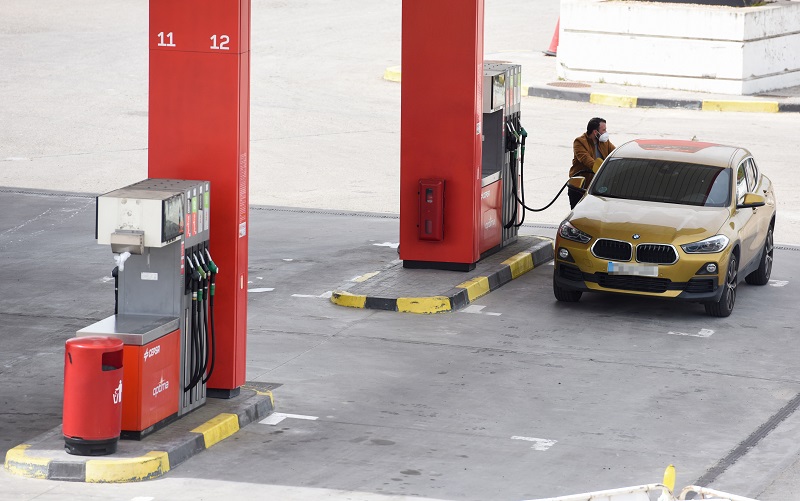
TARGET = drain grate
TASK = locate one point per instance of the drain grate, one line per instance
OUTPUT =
(573, 85)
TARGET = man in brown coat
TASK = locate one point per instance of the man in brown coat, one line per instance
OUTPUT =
(586, 149)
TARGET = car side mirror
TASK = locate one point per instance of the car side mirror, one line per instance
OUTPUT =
(752, 200)
(577, 182)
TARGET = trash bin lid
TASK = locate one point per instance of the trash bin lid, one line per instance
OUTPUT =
(103, 343)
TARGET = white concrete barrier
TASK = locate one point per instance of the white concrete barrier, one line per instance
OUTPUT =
(708, 48)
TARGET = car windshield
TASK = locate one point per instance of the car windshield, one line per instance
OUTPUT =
(663, 181)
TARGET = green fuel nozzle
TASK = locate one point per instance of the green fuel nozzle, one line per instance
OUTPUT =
(200, 269)
(211, 266)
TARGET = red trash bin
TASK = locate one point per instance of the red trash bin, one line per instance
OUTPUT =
(92, 395)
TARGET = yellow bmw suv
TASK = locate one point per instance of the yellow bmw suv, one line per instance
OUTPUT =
(685, 220)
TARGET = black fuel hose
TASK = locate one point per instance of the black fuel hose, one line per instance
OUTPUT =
(213, 277)
(115, 274)
(521, 136)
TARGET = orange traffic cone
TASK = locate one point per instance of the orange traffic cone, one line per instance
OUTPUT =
(554, 42)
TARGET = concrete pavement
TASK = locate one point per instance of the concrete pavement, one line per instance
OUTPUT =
(613, 384)
(424, 405)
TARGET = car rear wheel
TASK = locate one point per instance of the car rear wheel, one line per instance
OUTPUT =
(565, 295)
(724, 306)
(761, 275)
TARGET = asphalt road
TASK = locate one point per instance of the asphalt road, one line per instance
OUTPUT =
(517, 397)
(604, 393)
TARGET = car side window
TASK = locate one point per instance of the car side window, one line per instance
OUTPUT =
(752, 175)
(741, 183)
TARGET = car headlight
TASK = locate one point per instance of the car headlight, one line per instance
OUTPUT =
(716, 243)
(566, 230)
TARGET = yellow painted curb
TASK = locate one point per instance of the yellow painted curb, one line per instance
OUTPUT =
(218, 428)
(520, 263)
(267, 393)
(435, 304)
(343, 298)
(746, 106)
(392, 74)
(152, 465)
(613, 100)
(18, 463)
(476, 287)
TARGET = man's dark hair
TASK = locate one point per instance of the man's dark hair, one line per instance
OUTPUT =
(594, 124)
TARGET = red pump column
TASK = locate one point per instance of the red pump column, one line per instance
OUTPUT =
(441, 114)
(199, 128)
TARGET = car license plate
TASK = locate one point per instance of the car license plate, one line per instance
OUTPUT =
(640, 270)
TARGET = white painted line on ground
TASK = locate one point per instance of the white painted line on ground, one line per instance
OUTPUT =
(142, 498)
(106, 279)
(539, 444)
(262, 289)
(388, 244)
(778, 283)
(277, 417)
(477, 309)
(260, 278)
(288, 260)
(701, 333)
(324, 295)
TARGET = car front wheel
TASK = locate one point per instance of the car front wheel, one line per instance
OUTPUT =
(565, 295)
(761, 275)
(724, 306)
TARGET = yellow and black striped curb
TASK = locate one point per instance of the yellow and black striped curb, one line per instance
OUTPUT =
(43, 457)
(393, 74)
(460, 295)
(625, 101)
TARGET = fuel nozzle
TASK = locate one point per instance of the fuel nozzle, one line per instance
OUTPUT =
(194, 275)
(211, 265)
(512, 138)
(213, 270)
(201, 270)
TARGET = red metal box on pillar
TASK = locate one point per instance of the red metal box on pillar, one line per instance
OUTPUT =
(441, 115)
(199, 128)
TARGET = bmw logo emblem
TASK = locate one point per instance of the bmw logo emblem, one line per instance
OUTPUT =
(636, 236)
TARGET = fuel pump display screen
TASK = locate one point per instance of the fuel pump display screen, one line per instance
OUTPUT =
(172, 213)
(498, 91)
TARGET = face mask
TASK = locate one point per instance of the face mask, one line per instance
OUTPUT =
(603, 137)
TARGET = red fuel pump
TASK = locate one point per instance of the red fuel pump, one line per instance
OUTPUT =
(459, 171)
(158, 231)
